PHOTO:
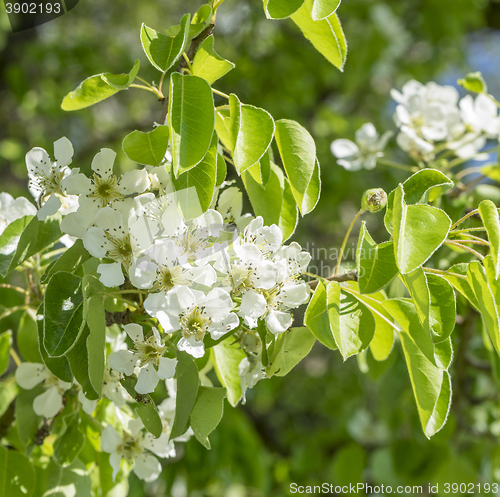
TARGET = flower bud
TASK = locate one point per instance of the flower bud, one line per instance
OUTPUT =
(474, 82)
(374, 200)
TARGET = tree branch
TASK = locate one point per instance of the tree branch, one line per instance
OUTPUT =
(351, 276)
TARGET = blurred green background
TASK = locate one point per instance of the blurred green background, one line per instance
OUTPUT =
(326, 421)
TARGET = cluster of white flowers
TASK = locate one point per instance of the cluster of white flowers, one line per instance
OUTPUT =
(431, 118)
(205, 278)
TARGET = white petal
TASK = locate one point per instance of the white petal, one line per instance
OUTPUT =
(218, 304)
(343, 148)
(108, 218)
(77, 184)
(50, 207)
(87, 405)
(102, 163)
(203, 275)
(218, 330)
(147, 467)
(278, 322)
(124, 361)
(94, 240)
(253, 304)
(110, 439)
(135, 332)
(38, 160)
(160, 446)
(147, 380)
(111, 274)
(294, 295)
(155, 306)
(136, 181)
(192, 346)
(30, 374)
(266, 275)
(49, 403)
(142, 273)
(63, 152)
(115, 460)
(166, 369)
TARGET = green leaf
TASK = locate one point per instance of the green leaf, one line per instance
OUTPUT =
(78, 357)
(187, 391)
(147, 148)
(457, 277)
(227, 358)
(5, 344)
(191, 118)
(27, 421)
(424, 186)
(326, 35)
(164, 51)
(290, 348)
(488, 307)
(17, 476)
(252, 131)
(207, 64)
(383, 338)
(63, 309)
(58, 366)
(9, 241)
(98, 88)
(27, 338)
(221, 170)
(223, 127)
(122, 81)
(298, 153)
(419, 230)
(70, 260)
(207, 413)
(474, 82)
(274, 202)
(72, 481)
(95, 316)
(321, 9)
(280, 9)
(35, 237)
(69, 441)
(151, 419)
(195, 188)
(489, 214)
(201, 19)
(376, 263)
(434, 300)
(316, 317)
(431, 387)
(349, 465)
(352, 324)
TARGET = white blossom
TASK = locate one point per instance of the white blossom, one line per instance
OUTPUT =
(12, 209)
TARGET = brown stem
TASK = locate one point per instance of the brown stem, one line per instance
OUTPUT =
(195, 44)
(351, 276)
(118, 317)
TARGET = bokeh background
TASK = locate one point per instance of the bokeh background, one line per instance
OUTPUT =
(327, 421)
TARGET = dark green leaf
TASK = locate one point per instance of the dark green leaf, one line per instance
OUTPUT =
(69, 441)
(68, 261)
(27, 338)
(150, 417)
(17, 476)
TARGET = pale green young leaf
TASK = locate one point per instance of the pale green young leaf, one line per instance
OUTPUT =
(200, 20)
(457, 277)
(226, 359)
(209, 65)
(27, 338)
(95, 317)
(207, 413)
(63, 310)
(195, 188)
(434, 301)
(5, 344)
(223, 127)
(17, 476)
(431, 387)
(383, 337)
(98, 88)
(78, 357)
(252, 131)
(221, 170)
(122, 81)
(352, 323)
(35, 237)
(187, 391)
(316, 317)
(298, 154)
(150, 418)
(376, 263)
(147, 148)
(290, 348)
(280, 9)
(491, 220)
(289, 215)
(326, 35)
(424, 186)
(321, 9)
(58, 366)
(9, 240)
(164, 51)
(69, 441)
(191, 119)
(69, 261)
(419, 230)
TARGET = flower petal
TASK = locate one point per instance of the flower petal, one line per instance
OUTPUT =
(111, 274)
(147, 467)
(49, 403)
(63, 152)
(103, 162)
(124, 361)
(147, 380)
(192, 346)
(166, 369)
